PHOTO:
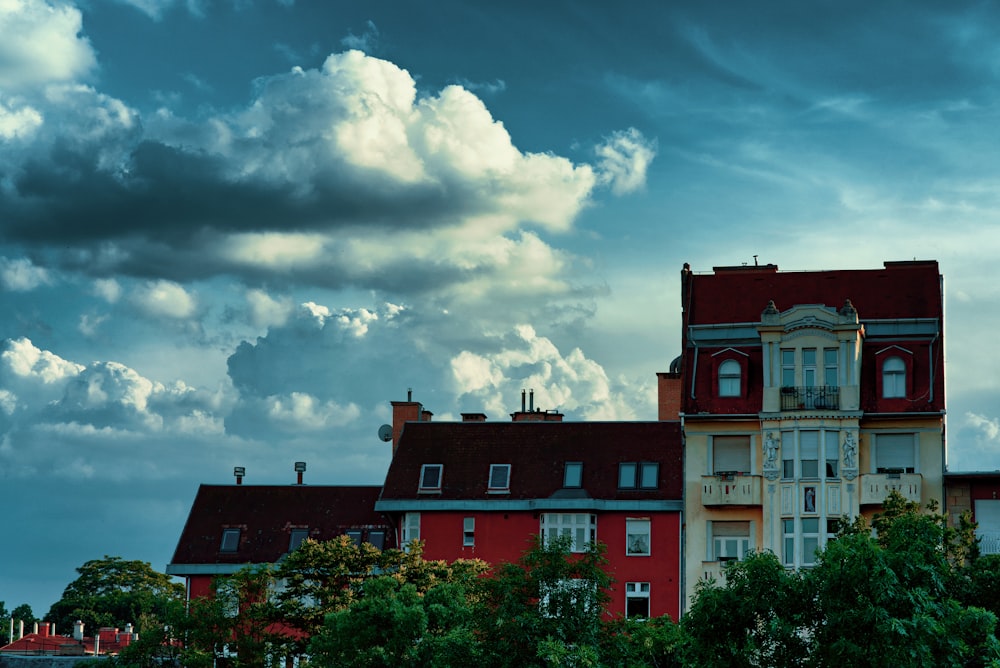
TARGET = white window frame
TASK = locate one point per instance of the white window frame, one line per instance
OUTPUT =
(905, 442)
(496, 470)
(411, 527)
(811, 541)
(581, 527)
(809, 454)
(894, 378)
(574, 588)
(831, 447)
(637, 591)
(431, 485)
(788, 541)
(468, 531)
(730, 441)
(726, 544)
(788, 367)
(638, 537)
(809, 369)
(730, 378)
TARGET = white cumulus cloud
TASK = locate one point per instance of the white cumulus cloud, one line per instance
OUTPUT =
(164, 299)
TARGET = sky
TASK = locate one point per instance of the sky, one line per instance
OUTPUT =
(232, 231)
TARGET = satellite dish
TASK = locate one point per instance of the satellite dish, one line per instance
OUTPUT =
(385, 432)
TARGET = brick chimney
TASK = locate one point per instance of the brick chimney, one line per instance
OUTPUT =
(406, 411)
(473, 417)
(530, 414)
(668, 395)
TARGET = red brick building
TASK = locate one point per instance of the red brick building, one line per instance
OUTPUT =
(481, 489)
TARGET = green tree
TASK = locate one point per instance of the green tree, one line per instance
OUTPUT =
(114, 592)
(657, 642)
(545, 609)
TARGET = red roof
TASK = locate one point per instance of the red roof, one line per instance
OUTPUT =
(739, 294)
(537, 453)
(266, 514)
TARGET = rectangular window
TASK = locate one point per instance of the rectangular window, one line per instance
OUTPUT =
(649, 475)
(832, 447)
(809, 453)
(637, 599)
(894, 453)
(469, 531)
(788, 533)
(809, 367)
(810, 540)
(565, 598)
(637, 538)
(499, 477)
(355, 536)
(580, 527)
(573, 474)
(411, 527)
(430, 477)
(377, 538)
(832, 527)
(787, 367)
(644, 475)
(626, 475)
(298, 535)
(731, 454)
(730, 540)
(230, 540)
(830, 367)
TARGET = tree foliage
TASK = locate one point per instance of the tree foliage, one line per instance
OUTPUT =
(114, 592)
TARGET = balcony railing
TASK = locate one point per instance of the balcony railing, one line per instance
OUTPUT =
(730, 489)
(876, 486)
(989, 542)
(810, 398)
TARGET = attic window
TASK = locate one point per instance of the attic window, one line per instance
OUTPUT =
(430, 477)
(355, 536)
(377, 538)
(230, 540)
(573, 474)
(638, 475)
(298, 535)
(499, 477)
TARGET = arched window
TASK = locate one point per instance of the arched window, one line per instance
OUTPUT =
(729, 379)
(893, 378)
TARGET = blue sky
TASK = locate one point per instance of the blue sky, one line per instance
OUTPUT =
(232, 232)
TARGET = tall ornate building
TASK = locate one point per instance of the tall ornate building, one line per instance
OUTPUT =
(805, 397)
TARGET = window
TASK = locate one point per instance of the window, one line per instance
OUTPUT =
(809, 453)
(469, 531)
(830, 367)
(810, 540)
(565, 597)
(573, 474)
(581, 527)
(377, 538)
(787, 367)
(729, 379)
(894, 453)
(637, 599)
(832, 527)
(730, 540)
(230, 540)
(832, 439)
(788, 551)
(499, 477)
(731, 454)
(788, 455)
(355, 536)
(430, 477)
(632, 475)
(893, 378)
(411, 527)
(298, 535)
(809, 367)
(637, 538)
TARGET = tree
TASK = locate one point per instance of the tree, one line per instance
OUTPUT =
(114, 592)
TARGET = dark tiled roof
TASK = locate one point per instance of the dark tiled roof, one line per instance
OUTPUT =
(266, 514)
(537, 453)
(899, 290)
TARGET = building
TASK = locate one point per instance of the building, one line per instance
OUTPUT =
(979, 493)
(233, 526)
(806, 396)
(43, 641)
(483, 489)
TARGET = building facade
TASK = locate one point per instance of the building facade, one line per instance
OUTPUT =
(482, 489)
(806, 397)
(978, 493)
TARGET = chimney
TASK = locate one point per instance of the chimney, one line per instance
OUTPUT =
(20, 629)
(406, 411)
(473, 417)
(78, 630)
(668, 395)
(300, 468)
(43, 629)
(239, 472)
(532, 414)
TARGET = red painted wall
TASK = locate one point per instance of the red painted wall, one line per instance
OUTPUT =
(504, 537)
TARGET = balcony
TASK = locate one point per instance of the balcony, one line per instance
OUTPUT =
(810, 398)
(730, 489)
(989, 542)
(876, 486)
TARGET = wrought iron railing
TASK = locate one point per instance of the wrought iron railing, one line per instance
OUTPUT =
(810, 398)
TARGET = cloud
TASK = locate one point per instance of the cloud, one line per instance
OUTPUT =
(164, 299)
(21, 275)
(366, 41)
(41, 44)
(624, 159)
(265, 310)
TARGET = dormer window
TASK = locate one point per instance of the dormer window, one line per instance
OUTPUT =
(729, 379)
(230, 540)
(499, 478)
(573, 474)
(298, 535)
(893, 378)
(430, 477)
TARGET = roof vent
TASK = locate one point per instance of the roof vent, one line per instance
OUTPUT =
(300, 468)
